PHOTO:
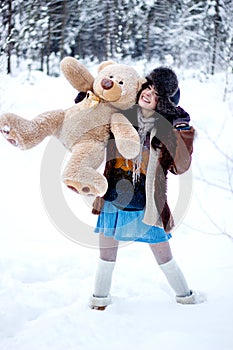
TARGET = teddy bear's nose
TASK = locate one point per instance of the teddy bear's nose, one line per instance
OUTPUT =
(106, 84)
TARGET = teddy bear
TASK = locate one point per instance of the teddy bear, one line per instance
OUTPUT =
(85, 128)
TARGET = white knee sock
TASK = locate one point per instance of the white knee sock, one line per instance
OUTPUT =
(103, 278)
(175, 278)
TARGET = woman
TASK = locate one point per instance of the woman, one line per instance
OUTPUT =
(135, 206)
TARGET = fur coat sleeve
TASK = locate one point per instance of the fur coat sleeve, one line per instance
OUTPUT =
(183, 151)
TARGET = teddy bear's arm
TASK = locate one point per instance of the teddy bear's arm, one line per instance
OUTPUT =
(26, 133)
(77, 74)
(126, 136)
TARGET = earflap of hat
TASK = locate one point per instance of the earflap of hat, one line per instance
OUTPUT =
(165, 107)
(176, 97)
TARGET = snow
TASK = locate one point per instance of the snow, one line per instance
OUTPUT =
(46, 278)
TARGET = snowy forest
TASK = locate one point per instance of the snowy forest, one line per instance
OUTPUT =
(48, 251)
(189, 31)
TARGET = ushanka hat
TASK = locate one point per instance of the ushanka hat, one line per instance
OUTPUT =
(165, 83)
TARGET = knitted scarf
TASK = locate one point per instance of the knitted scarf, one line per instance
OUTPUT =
(152, 216)
(145, 125)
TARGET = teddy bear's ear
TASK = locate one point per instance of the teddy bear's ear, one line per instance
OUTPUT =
(141, 81)
(105, 64)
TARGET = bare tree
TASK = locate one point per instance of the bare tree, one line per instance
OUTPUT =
(221, 188)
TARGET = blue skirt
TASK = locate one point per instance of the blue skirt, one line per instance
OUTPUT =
(128, 226)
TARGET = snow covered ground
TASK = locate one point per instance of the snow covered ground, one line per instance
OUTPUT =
(46, 279)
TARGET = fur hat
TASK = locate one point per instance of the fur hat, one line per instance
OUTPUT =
(164, 81)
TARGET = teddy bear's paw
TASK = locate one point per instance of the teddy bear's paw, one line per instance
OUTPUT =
(129, 149)
(81, 190)
(95, 189)
(6, 132)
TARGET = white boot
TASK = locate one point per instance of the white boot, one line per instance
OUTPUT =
(194, 298)
(99, 303)
(101, 297)
(178, 283)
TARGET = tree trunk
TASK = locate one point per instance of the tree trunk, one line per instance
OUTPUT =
(107, 37)
(216, 34)
(48, 47)
(9, 30)
(63, 28)
(42, 60)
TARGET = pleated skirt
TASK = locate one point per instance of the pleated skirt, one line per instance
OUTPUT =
(128, 226)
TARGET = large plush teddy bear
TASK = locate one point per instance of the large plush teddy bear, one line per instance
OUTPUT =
(84, 128)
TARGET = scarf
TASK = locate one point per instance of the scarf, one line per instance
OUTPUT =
(145, 125)
(152, 216)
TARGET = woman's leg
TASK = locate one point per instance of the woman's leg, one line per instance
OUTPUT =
(163, 255)
(162, 252)
(108, 248)
(174, 275)
(108, 252)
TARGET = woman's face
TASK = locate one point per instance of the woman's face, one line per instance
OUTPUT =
(148, 98)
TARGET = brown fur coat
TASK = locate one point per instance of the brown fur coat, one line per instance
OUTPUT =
(174, 157)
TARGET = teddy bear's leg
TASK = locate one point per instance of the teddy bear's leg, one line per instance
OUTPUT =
(81, 173)
(126, 137)
(25, 133)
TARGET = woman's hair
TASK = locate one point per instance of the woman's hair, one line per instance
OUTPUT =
(144, 86)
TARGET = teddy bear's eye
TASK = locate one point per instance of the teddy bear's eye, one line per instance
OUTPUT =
(111, 76)
(121, 82)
